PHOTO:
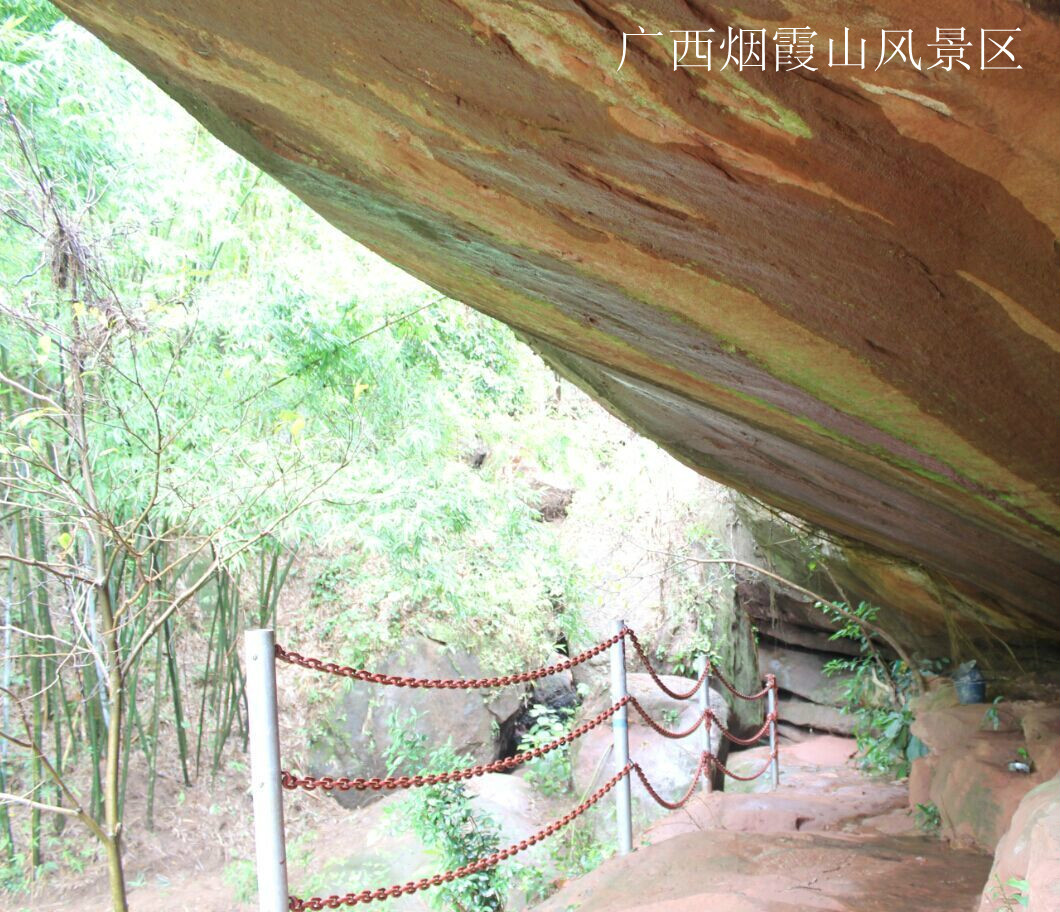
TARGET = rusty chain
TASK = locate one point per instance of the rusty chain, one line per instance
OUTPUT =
(772, 756)
(655, 675)
(374, 677)
(707, 714)
(316, 903)
(706, 760)
(343, 784)
(665, 732)
(709, 669)
(701, 767)
(753, 739)
(739, 693)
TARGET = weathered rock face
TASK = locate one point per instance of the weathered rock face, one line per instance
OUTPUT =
(835, 289)
(357, 729)
(1029, 852)
(801, 673)
(966, 773)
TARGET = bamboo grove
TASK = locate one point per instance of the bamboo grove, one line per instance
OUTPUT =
(201, 383)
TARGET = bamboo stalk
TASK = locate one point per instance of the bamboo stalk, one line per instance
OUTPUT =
(178, 710)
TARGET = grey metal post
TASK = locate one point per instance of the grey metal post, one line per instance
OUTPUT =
(771, 708)
(265, 771)
(704, 705)
(620, 730)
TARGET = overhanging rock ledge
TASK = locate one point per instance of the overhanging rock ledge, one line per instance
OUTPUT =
(838, 290)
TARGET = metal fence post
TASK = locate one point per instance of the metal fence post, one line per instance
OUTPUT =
(620, 730)
(265, 771)
(771, 708)
(702, 664)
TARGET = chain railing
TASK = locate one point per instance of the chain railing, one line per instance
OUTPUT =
(269, 779)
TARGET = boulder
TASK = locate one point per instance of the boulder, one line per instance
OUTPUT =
(354, 731)
(1041, 732)
(1030, 852)
(803, 713)
(801, 673)
(669, 764)
(370, 846)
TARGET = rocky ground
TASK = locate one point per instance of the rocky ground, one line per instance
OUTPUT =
(828, 838)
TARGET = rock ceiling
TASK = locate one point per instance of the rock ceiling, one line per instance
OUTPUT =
(838, 289)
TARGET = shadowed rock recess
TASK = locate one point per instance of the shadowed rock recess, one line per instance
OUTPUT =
(837, 290)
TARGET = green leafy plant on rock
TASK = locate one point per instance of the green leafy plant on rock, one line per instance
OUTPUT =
(875, 691)
(446, 823)
(928, 817)
(549, 774)
(1019, 898)
(992, 716)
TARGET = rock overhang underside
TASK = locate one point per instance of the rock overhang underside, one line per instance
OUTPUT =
(838, 290)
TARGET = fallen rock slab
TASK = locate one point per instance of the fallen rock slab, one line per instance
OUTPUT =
(801, 673)
(814, 716)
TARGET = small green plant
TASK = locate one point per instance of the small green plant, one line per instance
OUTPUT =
(992, 716)
(240, 875)
(1019, 898)
(670, 717)
(551, 773)
(577, 850)
(881, 727)
(1023, 754)
(928, 817)
(444, 820)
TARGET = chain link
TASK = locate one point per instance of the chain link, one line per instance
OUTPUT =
(655, 675)
(753, 739)
(732, 775)
(739, 693)
(316, 903)
(701, 767)
(706, 761)
(343, 784)
(374, 677)
(708, 670)
(665, 732)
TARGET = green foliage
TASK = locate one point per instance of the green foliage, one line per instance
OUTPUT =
(1019, 897)
(875, 692)
(271, 355)
(444, 820)
(551, 773)
(577, 849)
(241, 876)
(992, 716)
(928, 817)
